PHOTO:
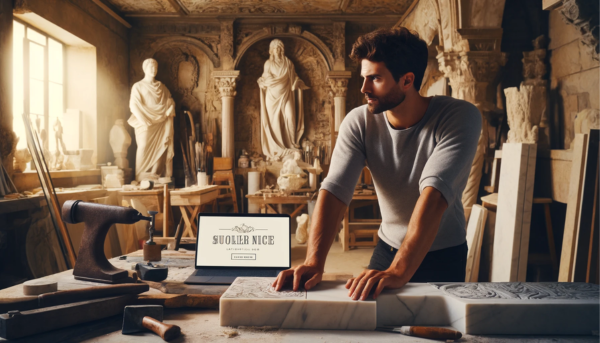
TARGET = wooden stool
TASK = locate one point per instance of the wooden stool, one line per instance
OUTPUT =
(223, 178)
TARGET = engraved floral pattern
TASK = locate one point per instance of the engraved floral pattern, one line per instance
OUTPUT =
(521, 290)
(258, 288)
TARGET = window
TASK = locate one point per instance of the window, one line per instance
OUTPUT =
(38, 83)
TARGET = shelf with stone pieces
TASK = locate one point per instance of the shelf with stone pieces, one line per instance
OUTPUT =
(473, 308)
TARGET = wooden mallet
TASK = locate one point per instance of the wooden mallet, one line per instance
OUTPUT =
(138, 318)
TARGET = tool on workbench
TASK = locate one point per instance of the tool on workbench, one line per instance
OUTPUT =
(206, 301)
(151, 249)
(17, 324)
(70, 296)
(92, 264)
(424, 332)
(151, 272)
(137, 318)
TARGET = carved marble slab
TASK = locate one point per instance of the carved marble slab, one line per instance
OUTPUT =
(253, 302)
(495, 308)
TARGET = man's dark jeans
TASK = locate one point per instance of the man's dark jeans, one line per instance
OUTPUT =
(444, 265)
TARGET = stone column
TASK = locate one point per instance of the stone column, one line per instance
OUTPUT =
(225, 82)
(470, 73)
(338, 80)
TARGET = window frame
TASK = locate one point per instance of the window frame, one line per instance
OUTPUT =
(27, 78)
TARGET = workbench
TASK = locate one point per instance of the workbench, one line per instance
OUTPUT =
(199, 325)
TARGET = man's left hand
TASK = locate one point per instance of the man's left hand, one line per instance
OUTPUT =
(360, 286)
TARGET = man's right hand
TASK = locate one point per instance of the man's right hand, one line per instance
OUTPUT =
(310, 274)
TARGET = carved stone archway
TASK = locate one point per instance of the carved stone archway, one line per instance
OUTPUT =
(267, 33)
(171, 41)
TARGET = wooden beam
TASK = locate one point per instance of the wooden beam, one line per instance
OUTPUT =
(181, 9)
(112, 13)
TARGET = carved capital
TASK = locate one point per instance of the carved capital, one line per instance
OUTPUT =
(583, 15)
(338, 81)
(225, 81)
(470, 73)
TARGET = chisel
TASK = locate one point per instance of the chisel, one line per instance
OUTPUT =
(424, 332)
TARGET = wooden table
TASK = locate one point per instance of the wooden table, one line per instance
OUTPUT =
(267, 200)
(190, 200)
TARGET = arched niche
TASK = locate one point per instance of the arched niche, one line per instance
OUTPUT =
(186, 71)
(185, 41)
(266, 34)
(310, 65)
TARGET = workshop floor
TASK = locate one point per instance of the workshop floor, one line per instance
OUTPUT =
(339, 262)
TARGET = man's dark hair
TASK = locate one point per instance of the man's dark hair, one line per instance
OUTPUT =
(400, 49)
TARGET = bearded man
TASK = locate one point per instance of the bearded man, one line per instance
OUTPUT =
(281, 114)
(419, 151)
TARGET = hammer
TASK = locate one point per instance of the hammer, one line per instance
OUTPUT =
(136, 318)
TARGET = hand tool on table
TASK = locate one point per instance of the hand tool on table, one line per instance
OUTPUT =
(70, 296)
(151, 249)
(17, 324)
(206, 301)
(91, 264)
(151, 272)
(138, 318)
(424, 332)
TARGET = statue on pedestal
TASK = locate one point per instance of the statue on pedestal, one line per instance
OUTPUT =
(152, 111)
(281, 112)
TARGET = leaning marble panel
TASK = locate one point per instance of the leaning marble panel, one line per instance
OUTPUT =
(253, 302)
(494, 308)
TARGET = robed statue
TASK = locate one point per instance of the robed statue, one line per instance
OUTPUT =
(152, 111)
(281, 105)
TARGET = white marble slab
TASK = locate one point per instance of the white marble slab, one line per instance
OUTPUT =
(475, 229)
(494, 308)
(253, 302)
(515, 196)
(472, 308)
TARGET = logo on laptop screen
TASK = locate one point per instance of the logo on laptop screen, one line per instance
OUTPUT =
(244, 239)
(242, 228)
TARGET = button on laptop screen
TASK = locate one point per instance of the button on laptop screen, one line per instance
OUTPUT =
(243, 241)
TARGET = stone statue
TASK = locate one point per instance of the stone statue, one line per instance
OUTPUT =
(281, 109)
(152, 111)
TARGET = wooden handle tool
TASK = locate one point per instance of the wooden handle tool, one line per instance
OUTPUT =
(165, 331)
(425, 332)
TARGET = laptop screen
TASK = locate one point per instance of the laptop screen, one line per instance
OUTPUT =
(243, 240)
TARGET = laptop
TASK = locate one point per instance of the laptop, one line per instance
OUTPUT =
(229, 245)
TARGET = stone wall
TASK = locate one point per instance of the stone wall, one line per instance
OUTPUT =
(573, 78)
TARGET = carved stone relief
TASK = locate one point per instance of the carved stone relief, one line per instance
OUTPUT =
(525, 109)
(226, 47)
(310, 67)
(584, 16)
(258, 288)
(339, 45)
(424, 20)
(534, 64)
(143, 6)
(521, 291)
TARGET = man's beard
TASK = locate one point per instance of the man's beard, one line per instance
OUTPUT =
(386, 102)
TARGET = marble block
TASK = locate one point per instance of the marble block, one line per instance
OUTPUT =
(253, 302)
(515, 197)
(515, 308)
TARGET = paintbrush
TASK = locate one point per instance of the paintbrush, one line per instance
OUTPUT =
(424, 332)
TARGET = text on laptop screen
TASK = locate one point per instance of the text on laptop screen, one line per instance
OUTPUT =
(237, 241)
